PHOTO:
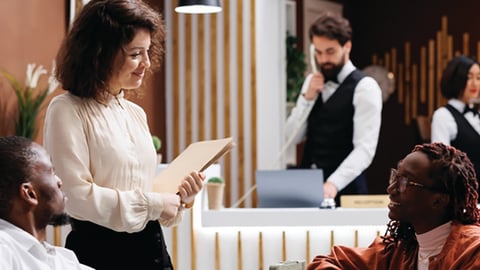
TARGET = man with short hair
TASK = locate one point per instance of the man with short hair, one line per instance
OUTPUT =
(30, 199)
(338, 112)
(434, 217)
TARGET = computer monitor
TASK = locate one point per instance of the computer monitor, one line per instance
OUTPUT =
(289, 188)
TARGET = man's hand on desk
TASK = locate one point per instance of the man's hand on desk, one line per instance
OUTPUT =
(329, 190)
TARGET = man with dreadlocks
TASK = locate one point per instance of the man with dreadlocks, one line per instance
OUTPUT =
(434, 217)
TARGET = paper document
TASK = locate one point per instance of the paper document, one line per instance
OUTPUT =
(197, 156)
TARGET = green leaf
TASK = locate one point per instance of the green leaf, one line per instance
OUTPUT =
(215, 179)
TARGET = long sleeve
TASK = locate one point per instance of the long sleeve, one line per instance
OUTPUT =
(444, 127)
(296, 125)
(373, 257)
(367, 101)
(104, 155)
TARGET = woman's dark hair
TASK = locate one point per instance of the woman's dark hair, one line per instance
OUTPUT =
(455, 76)
(453, 172)
(102, 29)
(16, 167)
(332, 26)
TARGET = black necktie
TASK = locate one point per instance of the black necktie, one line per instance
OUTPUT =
(468, 109)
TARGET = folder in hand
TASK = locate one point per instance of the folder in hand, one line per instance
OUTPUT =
(197, 156)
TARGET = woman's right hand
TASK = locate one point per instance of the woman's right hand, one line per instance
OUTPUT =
(171, 203)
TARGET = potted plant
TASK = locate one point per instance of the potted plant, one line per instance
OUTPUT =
(157, 143)
(30, 97)
(215, 186)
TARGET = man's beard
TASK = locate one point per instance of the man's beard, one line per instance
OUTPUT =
(331, 73)
(59, 220)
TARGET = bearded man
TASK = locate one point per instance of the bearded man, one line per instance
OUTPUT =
(338, 111)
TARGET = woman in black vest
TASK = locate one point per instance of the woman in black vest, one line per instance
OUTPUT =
(458, 122)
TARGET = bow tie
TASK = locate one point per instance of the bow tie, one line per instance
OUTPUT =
(333, 79)
(472, 110)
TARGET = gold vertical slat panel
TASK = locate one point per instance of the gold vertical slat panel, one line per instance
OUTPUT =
(449, 47)
(466, 43)
(239, 251)
(284, 246)
(401, 83)
(332, 238)
(175, 246)
(176, 110)
(260, 251)
(431, 77)
(423, 74)
(253, 94)
(201, 76)
(439, 68)
(240, 100)
(375, 59)
(226, 93)
(217, 251)
(394, 62)
(188, 80)
(407, 101)
(57, 236)
(478, 50)
(213, 75)
(388, 61)
(175, 82)
(193, 249)
(307, 246)
(414, 91)
(408, 83)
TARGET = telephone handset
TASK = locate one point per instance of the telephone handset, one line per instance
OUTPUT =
(313, 63)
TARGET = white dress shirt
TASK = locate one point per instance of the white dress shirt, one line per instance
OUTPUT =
(19, 250)
(367, 101)
(444, 127)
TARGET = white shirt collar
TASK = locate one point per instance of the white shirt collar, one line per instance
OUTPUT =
(457, 104)
(346, 70)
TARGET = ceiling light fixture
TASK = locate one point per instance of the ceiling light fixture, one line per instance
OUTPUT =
(198, 6)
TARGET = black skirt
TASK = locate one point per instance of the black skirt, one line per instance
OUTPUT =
(105, 249)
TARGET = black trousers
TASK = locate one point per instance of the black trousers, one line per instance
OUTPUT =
(105, 249)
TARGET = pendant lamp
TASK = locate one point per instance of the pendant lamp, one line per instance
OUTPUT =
(198, 6)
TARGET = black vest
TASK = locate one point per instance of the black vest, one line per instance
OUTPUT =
(330, 127)
(467, 140)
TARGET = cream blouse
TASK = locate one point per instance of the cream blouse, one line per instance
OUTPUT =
(105, 157)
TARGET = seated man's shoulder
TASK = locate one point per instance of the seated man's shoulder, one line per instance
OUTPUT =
(471, 231)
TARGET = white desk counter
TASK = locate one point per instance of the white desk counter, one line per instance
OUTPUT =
(254, 238)
(285, 217)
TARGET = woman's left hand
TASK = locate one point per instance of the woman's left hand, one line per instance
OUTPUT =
(190, 187)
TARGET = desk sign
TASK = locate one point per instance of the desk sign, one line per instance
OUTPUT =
(364, 201)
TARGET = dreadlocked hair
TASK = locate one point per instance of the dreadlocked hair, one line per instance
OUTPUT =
(454, 173)
(396, 231)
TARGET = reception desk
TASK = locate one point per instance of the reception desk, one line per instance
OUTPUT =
(249, 238)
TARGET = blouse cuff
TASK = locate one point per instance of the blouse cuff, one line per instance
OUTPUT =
(154, 204)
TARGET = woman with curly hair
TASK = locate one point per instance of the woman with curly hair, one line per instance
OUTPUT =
(434, 217)
(100, 142)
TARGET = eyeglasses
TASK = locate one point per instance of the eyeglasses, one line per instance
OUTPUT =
(402, 182)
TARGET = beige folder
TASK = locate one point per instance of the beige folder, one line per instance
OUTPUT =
(197, 156)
